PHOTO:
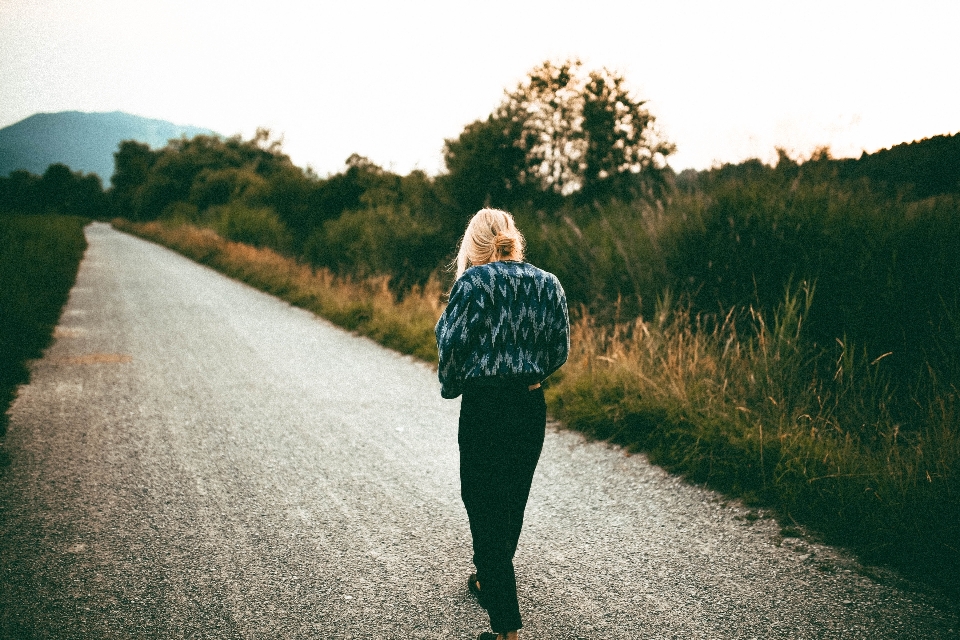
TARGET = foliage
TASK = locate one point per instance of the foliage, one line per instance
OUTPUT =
(562, 131)
(57, 191)
(885, 269)
(606, 257)
(364, 220)
(364, 305)
(484, 165)
(378, 240)
(133, 161)
(39, 258)
(916, 170)
(204, 171)
(259, 227)
(748, 407)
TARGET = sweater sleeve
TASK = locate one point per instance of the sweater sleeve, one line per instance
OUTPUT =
(452, 332)
(560, 340)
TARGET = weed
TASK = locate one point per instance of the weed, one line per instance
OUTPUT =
(745, 405)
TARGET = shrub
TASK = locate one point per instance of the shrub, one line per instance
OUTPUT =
(39, 258)
(748, 407)
(256, 226)
(381, 240)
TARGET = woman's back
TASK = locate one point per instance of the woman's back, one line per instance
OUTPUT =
(505, 319)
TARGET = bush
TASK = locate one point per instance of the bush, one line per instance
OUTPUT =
(605, 257)
(885, 269)
(256, 226)
(39, 258)
(381, 240)
(748, 407)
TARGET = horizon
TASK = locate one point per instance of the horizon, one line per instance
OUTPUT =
(725, 83)
(768, 161)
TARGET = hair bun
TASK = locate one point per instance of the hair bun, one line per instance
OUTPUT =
(491, 235)
(504, 244)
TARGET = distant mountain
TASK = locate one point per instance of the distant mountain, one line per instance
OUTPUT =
(82, 141)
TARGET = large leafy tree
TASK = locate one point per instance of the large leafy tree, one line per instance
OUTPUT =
(563, 133)
(132, 163)
(624, 156)
(485, 165)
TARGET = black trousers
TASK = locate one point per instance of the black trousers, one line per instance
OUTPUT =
(501, 436)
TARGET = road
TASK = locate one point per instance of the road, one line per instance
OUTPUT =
(196, 459)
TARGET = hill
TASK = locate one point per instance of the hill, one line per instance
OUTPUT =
(927, 167)
(82, 141)
(910, 170)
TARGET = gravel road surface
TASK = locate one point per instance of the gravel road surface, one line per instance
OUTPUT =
(196, 459)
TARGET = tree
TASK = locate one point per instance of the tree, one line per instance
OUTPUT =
(548, 110)
(57, 186)
(19, 192)
(63, 191)
(562, 133)
(59, 190)
(132, 163)
(624, 157)
(484, 165)
(205, 172)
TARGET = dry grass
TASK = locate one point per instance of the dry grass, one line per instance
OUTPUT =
(738, 403)
(751, 412)
(366, 306)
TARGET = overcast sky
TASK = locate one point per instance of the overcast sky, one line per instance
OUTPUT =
(727, 80)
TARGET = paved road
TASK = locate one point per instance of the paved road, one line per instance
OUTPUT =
(195, 459)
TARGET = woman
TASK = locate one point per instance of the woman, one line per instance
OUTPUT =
(505, 329)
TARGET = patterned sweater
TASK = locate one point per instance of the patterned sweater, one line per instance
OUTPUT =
(505, 320)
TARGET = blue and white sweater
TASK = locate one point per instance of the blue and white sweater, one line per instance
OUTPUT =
(505, 320)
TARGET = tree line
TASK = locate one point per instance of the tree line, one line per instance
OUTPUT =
(577, 158)
(58, 191)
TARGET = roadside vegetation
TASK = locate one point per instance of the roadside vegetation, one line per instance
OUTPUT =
(39, 258)
(788, 334)
(364, 305)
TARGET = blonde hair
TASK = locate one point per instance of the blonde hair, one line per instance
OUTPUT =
(492, 235)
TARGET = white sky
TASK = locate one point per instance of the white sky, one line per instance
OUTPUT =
(727, 80)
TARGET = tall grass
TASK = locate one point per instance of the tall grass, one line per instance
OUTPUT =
(740, 402)
(745, 405)
(367, 306)
(39, 258)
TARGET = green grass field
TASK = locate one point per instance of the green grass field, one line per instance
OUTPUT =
(39, 258)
